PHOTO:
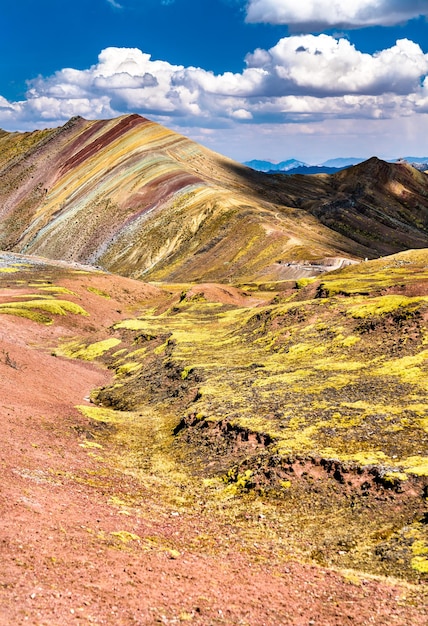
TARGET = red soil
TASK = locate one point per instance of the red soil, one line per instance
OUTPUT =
(60, 564)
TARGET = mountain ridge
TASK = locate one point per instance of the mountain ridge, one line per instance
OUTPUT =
(140, 200)
(294, 166)
(136, 198)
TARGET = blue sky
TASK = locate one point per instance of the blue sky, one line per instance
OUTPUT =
(268, 79)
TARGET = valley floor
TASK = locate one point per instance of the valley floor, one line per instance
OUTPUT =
(101, 524)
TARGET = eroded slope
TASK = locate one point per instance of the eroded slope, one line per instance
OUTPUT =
(146, 509)
(312, 398)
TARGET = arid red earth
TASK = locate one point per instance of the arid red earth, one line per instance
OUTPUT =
(84, 539)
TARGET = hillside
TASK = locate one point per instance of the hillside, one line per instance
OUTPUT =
(246, 456)
(382, 206)
(140, 200)
(137, 199)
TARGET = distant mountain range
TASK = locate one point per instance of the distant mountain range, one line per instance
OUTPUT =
(267, 166)
(293, 166)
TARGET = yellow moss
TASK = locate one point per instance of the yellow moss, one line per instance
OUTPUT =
(420, 564)
(98, 292)
(8, 270)
(54, 307)
(35, 316)
(173, 554)
(370, 408)
(371, 457)
(352, 578)
(417, 465)
(185, 617)
(40, 296)
(385, 304)
(350, 341)
(419, 408)
(128, 368)
(419, 548)
(346, 366)
(286, 378)
(141, 352)
(185, 373)
(303, 282)
(132, 324)
(298, 441)
(395, 477)
(407, 368)
(55, 289)
(101, 414)
(88, 353)
(119, 352)
(90, 444)
(115, 501)
(161, 349)
(124, 536)
(301, 349)
(333, 382)
(237, 482)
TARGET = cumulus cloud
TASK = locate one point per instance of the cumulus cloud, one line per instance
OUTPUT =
(322, 65)
(302, 78)
(316, 15)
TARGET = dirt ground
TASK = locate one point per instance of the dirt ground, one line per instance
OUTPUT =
(72, 552)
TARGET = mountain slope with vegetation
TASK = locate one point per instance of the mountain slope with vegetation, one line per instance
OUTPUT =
(137, 199)
(140, 200)
(382, 206)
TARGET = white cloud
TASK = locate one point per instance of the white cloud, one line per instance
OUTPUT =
(322, 65)
(316, 15)
(301, 80)
(242, 114)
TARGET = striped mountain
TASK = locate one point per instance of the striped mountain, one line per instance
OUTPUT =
(140, 200)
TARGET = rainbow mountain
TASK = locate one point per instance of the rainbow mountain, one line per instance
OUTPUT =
(140, 200)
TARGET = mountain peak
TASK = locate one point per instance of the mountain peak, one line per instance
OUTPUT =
(378, 170)
(140, 200)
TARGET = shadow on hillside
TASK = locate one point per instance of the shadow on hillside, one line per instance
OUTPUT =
(266, 187)
(380, 206)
